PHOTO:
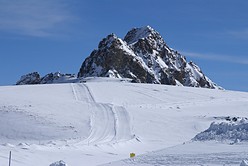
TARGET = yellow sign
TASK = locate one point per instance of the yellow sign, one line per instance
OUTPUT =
(132, 155)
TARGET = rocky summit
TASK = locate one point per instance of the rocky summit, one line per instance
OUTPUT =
(30, 78)
(144, 57)
(51, 78)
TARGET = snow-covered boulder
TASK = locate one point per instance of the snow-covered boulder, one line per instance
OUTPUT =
(244, 163)
(59, 163)
(30, 78)
(231, 129)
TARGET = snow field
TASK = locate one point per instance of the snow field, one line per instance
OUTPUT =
(103, 120)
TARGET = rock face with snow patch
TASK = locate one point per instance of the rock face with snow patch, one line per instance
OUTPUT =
(56, 77)
(144, 57)
(58, 163)
(30, 78)
(35, 78)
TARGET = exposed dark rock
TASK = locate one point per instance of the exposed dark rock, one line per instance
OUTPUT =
(34, 78)
(55, 78)
(30, 78)
(144, 57)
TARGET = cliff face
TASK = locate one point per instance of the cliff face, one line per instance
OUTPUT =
(144, 57)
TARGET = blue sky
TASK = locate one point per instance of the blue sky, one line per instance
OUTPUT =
(57, 35)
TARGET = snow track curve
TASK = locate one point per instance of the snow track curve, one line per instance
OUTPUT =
(123, 124)
(108, 123)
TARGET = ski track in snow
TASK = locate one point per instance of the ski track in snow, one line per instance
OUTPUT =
(89, 94)
(103, 125)
(74, 92)
(124, 130)
(108, 123)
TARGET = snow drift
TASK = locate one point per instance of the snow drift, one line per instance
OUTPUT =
(233, 129)
(244, 163)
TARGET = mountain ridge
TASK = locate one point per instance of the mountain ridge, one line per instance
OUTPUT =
(143, 56)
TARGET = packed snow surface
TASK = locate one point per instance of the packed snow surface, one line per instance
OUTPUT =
(101, 121)
(244, 163)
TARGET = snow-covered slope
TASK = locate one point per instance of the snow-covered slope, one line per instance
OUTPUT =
(144, 57)
(103, 120)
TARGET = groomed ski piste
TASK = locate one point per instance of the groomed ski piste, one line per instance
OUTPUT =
(102, 120)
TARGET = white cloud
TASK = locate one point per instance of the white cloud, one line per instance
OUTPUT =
(218, 57)
(39, 18)
(241, 34)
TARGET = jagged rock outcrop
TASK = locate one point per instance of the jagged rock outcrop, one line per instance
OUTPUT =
(59, 163)
(144, 57)
(35, 78)
(30, 78)
(56, 77)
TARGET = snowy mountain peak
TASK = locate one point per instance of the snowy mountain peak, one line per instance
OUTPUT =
(107, 42)
(143, 56)
(136, 34)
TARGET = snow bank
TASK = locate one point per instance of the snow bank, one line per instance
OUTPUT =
(59, 163)
(244, 163)
(233, 129)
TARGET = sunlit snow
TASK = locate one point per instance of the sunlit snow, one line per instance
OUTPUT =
(103, 120)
